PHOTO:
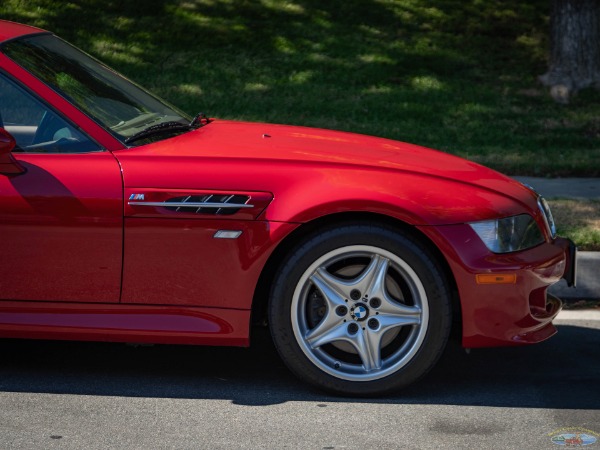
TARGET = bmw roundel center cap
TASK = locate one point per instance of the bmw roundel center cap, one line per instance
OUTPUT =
(359, 312)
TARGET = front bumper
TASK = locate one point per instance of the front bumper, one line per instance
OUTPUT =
(519, 312)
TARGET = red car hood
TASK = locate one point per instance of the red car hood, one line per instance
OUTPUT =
(252, 141)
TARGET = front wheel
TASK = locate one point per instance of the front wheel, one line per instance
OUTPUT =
(360, 310)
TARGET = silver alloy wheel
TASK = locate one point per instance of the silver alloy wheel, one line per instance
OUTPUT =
(360, 324)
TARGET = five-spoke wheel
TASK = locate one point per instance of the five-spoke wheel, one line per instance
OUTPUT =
(360, 310)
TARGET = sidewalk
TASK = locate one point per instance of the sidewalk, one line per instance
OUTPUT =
(575, 188)
(584, 315)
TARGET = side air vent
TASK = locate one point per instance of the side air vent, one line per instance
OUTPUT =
(224, 205)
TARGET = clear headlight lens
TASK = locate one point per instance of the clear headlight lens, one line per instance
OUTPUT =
(545, 208)
(509, 234)
(543, 204)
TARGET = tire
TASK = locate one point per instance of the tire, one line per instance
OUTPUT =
(360, 310)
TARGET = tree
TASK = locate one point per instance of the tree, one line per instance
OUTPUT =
(574, 48)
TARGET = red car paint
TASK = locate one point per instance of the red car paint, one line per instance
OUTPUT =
(79, 262)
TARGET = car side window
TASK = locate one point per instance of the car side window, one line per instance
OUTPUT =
(35, 126)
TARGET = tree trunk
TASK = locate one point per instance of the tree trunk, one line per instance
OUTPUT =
(574, 48)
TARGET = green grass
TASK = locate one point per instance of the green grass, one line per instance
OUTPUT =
(578, 220)
(455, 75)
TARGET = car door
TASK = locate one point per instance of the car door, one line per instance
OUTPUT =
(61, 219)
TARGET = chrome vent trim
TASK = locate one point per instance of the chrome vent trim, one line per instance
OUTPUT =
(227, 234)
(214, 204)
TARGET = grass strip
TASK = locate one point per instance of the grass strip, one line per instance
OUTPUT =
(578, 220)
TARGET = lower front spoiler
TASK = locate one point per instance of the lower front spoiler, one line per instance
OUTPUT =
(544, 329)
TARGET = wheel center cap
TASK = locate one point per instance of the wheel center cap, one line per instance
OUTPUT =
(359, 312)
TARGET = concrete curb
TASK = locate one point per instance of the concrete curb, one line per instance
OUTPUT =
(588, 279)
(583, 314)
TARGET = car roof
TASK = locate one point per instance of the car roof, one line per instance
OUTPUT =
(11, 30)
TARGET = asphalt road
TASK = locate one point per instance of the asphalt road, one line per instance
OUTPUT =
(101, 396)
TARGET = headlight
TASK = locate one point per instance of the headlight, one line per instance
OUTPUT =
(545, 208)
(509, 234)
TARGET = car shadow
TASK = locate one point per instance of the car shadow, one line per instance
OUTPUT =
(562, 373)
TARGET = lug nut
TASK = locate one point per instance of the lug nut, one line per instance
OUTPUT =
(341, 310)
(373, 324)
(375, 303)
(352, 328)
(355, 294)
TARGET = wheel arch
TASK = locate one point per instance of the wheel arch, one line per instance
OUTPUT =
(262, 289)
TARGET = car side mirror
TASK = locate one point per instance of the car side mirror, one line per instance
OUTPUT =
(8, 164)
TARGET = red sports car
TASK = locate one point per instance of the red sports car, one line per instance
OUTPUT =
(124, 219)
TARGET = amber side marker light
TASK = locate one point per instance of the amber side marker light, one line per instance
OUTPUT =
(496, 279)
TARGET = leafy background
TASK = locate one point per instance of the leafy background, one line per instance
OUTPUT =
(459, 76)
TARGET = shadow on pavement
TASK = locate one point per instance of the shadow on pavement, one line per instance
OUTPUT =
(562, 373)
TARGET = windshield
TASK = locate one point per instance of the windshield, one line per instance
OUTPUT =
(119, 105)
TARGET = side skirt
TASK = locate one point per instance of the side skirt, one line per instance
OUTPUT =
(125, 323)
